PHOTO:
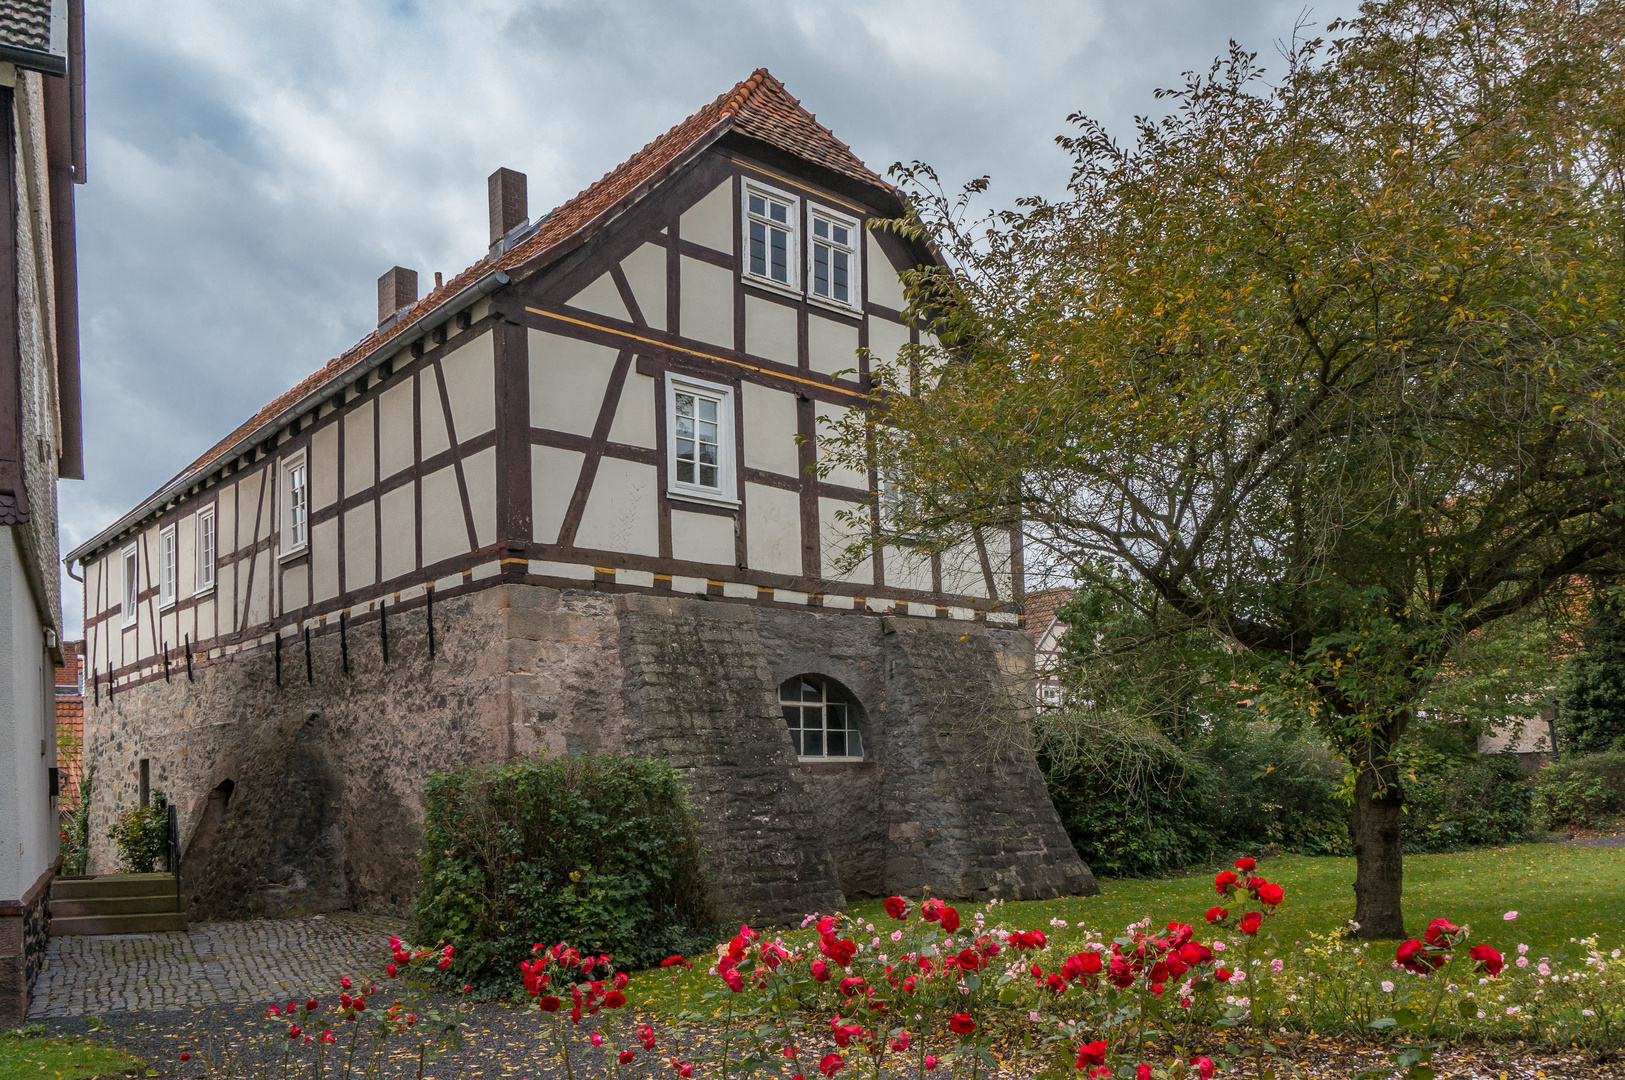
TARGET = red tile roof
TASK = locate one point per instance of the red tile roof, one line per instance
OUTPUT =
(759, 107)
(1041, 608)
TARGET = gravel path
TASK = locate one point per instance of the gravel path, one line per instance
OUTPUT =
(213, 963)
(1598, 841)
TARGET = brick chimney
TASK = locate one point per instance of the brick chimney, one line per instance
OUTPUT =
(396, 289)
(506, 191)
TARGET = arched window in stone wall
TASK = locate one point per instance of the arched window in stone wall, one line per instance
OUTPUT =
(822, 716)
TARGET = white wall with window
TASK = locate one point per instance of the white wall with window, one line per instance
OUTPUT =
(205, 550)
(130, 582)
(772, 253)
(168, 566)
(700, 438)
(821, 719)
(295, 504)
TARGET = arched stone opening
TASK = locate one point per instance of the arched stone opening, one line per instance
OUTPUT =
(837, 747)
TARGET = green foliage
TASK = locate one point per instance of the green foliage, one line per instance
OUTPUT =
(602, 852)
(1464, 800)
(142, 835)
(76, 837)
(1591, 695)
(1585, 792)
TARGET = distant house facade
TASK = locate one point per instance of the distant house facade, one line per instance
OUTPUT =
(42, 141)
(70, 722)
(568, 502)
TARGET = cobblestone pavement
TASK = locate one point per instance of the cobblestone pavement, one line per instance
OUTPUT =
(214, 963)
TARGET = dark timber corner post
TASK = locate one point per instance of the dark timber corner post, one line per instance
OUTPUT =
(506, 191)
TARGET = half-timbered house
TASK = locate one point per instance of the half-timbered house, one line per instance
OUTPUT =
(567, 502)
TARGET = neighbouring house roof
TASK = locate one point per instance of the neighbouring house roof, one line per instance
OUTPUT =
(1041, 608)
(70, 722)
(26, 24)
(759, 107)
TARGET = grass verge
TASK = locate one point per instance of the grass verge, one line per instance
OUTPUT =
(25, 1054)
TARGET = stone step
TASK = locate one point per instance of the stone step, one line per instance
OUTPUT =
(106, 885)
(115, 905)
(117, 924)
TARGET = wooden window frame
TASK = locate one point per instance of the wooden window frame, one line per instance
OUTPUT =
(203, 575)
(129, 584)
(791, 226)
(824, 704)
(853, 305)
(294, 512)
(727, 471)
(169, 567)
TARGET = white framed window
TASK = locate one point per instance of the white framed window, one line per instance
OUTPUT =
(700, 438)
(771, 252)
(168, 564)
(832, 258)
(1051, 695)
(131, 580)
(820, 718)
(295, 504)
(205, 549)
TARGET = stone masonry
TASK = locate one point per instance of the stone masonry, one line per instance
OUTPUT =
(306, 796)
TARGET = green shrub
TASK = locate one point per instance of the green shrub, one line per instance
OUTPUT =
(1591, 691)
(602, 852)
(76, 837)
(1466, 800)
(142, 835)
(1135, 806)
(1585, 792)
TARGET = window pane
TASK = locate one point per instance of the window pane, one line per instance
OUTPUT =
(839, 234)
(708, 409)
(708, 453)
(780, 270)
(708, 477)
(758, 205)
(685, 472)
(685, 427)
(758, 248)
(812, 744)
(836, 743)
(779, 212)
(854, 743)
(820, 269)
(792, 716)
(840, 291)
(811, 691)
(685, 404)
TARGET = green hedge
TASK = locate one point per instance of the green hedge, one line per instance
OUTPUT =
(602, 852)
(1586, 792)
(1466, 801)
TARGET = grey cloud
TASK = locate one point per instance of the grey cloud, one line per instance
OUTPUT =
(256, 166)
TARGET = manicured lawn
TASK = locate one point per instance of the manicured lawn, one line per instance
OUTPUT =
(1559, 893)
(67, 1058)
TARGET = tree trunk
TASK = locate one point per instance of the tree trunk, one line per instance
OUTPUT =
(1379, 868)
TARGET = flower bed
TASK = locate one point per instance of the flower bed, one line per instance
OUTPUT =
(932, 993)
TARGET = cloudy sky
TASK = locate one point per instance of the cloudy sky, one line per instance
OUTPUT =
(254, 167)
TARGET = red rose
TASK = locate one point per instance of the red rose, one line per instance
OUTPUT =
(735, 981)
(1204, 1067)
(1246, 864)
(1488, 959)
(1194, 952)
(548, 1003)
(820, 971)
(1093, 1053)
(1222, 975)
(1055, 983)
(186, 1057)
(312, 1005)
(1223, 882)
(1413, 956)
(844, 1033)
(1440, 928)
(831, 1064)
(949, 919)
(851, 985)
(627, 1056)
(897, 907)
(1179, 933)
(969, 959)
(615, 999)
(961, 1024)
(840, 950)
(674, 961)
(1250, 923)
(1089, 963)
(930, 1062)
(1271, 894)
(931, 910)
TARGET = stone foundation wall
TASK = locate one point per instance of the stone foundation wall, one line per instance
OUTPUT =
(25, 934)
(307, 796)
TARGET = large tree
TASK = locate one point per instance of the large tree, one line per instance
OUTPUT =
(1326, 365)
